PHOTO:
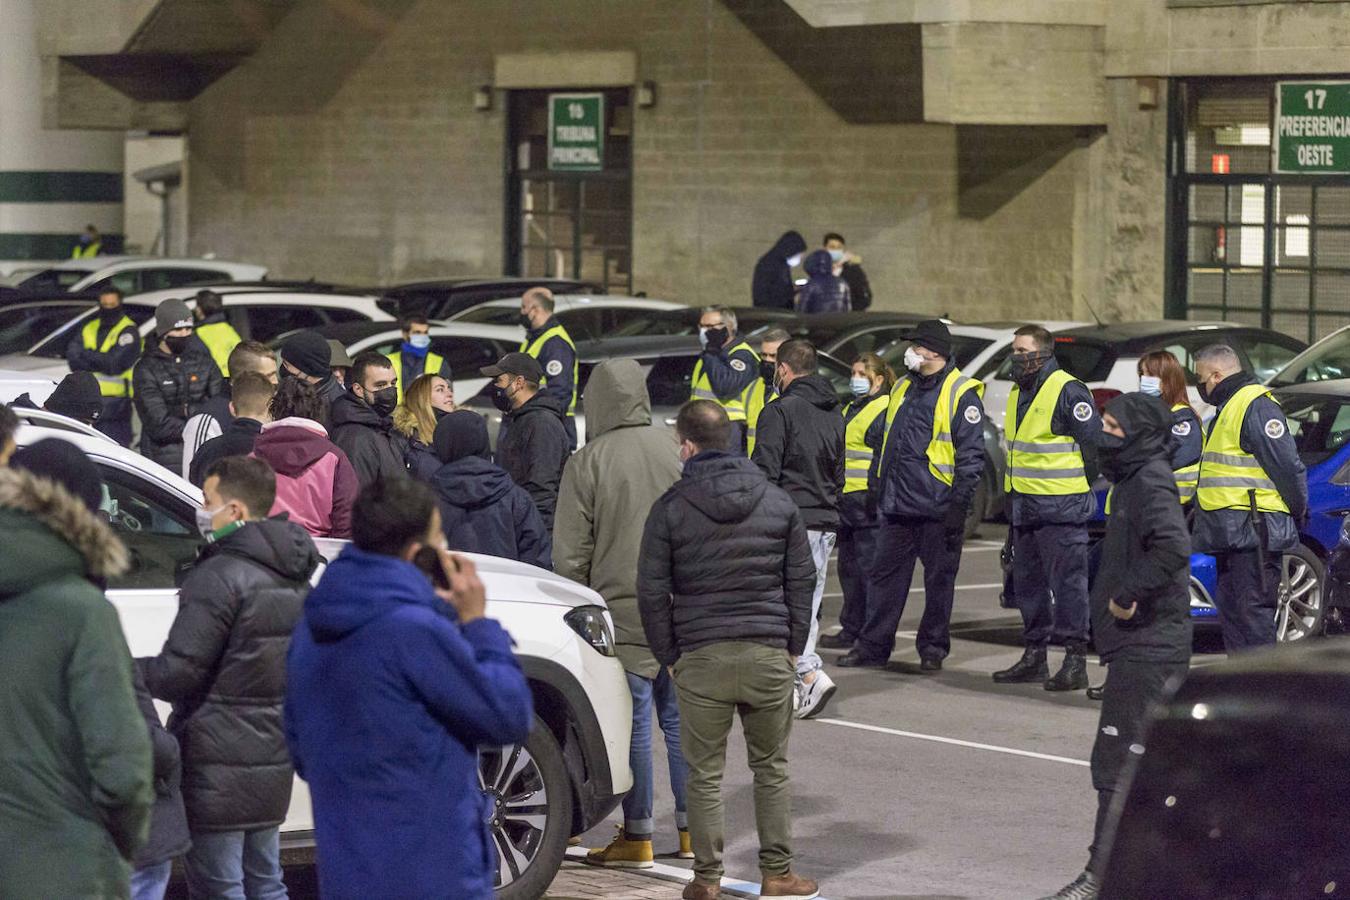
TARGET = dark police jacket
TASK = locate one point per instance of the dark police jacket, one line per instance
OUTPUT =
(558, 360)
(800, 447)
(1070, 419)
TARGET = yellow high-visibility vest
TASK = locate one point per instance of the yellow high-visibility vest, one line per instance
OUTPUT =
(756, 398)
(1186, 477)
(941, 451)
(220, 338)
(857, 455)
(432, 366)
(701, 387)
(1227, 472)
(535, 347)
(110, 385)
(1040, 462)
(88, 252)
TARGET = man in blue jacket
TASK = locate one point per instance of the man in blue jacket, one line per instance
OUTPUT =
(393, 684)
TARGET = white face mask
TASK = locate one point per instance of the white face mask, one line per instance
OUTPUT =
(703, 337)
(204, 517)
(913, 360)
(861, 385)
(836, 255)
(794, 261)
(1151, 385)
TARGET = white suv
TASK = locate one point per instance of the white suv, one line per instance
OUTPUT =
(135, 274)
(567, 776)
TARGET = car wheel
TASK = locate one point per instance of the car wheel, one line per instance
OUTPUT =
(1301, 608)
(531, 795)
(978, 504)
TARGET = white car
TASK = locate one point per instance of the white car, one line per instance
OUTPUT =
(574, 765)
(256, 313)
(586, 317)
(137, 274)
(1326, 360)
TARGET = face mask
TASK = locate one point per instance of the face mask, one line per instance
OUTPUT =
(420, 341)
(177, 344)
(766, 370)
(860, 385)
(204, 517)
(836, 256)
(1025, 366)
(913, 359)
(703, 337)
(525, 322)
(794, 261)
(1108, 455)
(1203, 391)
(501, 399)
(110, 315)
(383, 401)
(1151, 385)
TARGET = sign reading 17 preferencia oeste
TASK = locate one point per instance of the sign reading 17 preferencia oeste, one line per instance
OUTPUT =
(576, 132)
(1312, 127)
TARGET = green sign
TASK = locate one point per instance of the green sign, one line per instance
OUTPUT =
(1312, 127)
(576, 132)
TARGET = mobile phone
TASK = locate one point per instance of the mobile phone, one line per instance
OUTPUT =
(428, 559)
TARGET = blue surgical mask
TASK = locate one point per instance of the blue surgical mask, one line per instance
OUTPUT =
(860, 385)
(1151, 385)
(836, 255)
(420, 341)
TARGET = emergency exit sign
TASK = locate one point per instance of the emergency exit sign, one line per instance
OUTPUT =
(576, 132)
(1312, 127)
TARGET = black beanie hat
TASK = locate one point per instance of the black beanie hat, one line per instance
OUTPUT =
(62, 462)
(309, 353)
(459, 434)
(77, 397)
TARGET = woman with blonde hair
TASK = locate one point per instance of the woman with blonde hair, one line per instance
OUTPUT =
(864, 431)
(426, 400)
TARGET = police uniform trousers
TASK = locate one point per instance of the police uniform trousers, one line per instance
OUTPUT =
(900, 542)
(1050, 583)
(857, 548)
(1246, 598)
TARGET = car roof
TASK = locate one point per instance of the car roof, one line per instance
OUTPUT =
(1137, 336)
(642, 347)
(348, 333)
(504, 281)
(567, 302)
(1337, 387)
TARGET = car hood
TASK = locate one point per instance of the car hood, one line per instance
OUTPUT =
(29, 365)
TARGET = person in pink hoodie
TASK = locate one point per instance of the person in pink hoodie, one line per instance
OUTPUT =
(316, 484)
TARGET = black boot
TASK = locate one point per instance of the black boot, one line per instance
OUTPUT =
(1072, 676)
(841, 641)
(1031, 667)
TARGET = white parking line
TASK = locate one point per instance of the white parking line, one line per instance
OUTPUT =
(937, 739)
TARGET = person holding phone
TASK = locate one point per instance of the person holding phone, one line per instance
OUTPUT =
(395, 677)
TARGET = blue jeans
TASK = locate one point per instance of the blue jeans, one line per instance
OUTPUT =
(150, 882)
(235, 865)
(637, 804)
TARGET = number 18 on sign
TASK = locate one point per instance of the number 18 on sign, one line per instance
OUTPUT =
(1312, 127)
(576, 132)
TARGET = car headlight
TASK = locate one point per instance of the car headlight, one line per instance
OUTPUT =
(590, 623)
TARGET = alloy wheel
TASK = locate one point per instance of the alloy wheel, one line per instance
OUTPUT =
(514, 786)
(1299, 613)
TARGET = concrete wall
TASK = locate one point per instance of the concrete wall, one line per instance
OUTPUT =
(350, 150)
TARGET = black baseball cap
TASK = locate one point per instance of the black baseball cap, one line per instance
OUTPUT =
(933, 335)
(513, 364)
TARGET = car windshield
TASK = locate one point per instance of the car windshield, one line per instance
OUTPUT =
(23, 326)
(1326, 360)
(53, 279)
(1320, 425)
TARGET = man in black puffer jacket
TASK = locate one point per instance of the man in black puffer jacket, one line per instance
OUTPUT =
(224, 669)
(172, 383)
(532, 445)
(724, 587)
(363, 427)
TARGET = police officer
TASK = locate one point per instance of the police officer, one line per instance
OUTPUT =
(548, 342)
(931, 462)
(218, 335)
(1252, 498)
(871, 384)
(761, 390)
(1051, 416)
(109, 345)
(724, 370)
(414, 359)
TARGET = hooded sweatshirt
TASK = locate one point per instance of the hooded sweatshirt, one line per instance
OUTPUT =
(724, 558)
(609, 485)
(316, 483)
(824, 292)
(75, 787)
(771, 285)
(800, 447)
(388, 700)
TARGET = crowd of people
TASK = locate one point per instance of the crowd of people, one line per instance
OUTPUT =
(716, 597)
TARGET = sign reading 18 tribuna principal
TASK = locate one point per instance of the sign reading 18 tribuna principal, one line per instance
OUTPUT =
(1312, 127)
(576, 132)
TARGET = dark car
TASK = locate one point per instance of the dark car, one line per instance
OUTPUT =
(443, 298)
(1241, 792)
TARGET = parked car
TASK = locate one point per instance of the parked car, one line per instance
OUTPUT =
(443, 298)
(585, 317)
(1241, 790)
(1326, 360)
(683, 322)
(567, 776)
(137, 274)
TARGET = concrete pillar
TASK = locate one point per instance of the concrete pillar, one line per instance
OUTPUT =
(52, 182)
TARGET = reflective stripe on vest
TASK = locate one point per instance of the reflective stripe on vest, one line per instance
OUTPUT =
(754, 405)
(857, 455)
(1228, 474)
(109, 385)
(700, 387)
(941, 451)
(1186, 477)
(535, 347)
(432, 365)
(220, 338)
(1040, 462)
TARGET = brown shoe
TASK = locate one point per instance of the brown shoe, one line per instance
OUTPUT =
(789, 887)
(701, 890)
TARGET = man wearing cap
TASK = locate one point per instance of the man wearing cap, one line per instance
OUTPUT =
(76, 397)
(308, 357)
(172, 382)
(549, 343)
(532, 445)
(108, 345)
(339, 363)
(931, 462)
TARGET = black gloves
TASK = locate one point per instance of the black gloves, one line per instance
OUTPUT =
(716, 338)
(954, 525)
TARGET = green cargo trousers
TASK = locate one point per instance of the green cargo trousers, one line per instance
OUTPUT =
(713, 684)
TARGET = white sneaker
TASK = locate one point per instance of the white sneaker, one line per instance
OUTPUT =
(815, 695)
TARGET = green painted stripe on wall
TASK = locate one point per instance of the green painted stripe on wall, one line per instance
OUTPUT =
(60, 187)
(27, 245)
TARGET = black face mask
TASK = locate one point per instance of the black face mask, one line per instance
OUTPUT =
(1108, 455)
(177, 344)
(501, 399)
(383, 401)
(766, 370)
(525, 322)
(110, 315)
(1205, 395)
(1026, 366)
